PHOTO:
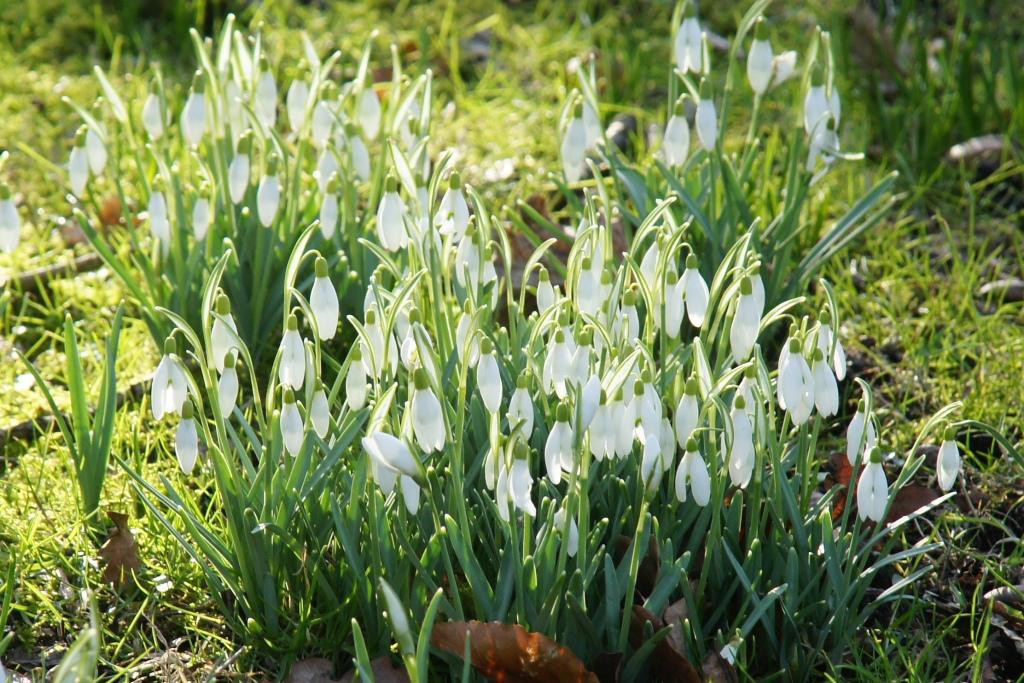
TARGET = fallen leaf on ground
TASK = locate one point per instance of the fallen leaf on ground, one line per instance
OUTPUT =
(510, 654)
(120, 551)
(384, 671)
(718, 670)
(668, 665)
(908, 499)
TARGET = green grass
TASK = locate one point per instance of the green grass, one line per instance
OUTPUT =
(912, 319)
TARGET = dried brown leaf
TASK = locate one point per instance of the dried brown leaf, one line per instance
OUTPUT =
(668, 665)
(121, 552)
(718, 670)
(509, 653)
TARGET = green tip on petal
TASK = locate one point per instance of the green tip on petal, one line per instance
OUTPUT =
(223, 305)
(577, 110)
(750, 372)
(414, 316)
(523, 381)
(692, 388)
(320, 266)
(187, 411)
(559, 336)
(357, 354)
(629, 298)
(587, 337)
(818, 356)
(543, 275)
(638, 388)
(691, 445)
(289, 396)
(876, 455)
(679, 109)
(293, 322)
(619, 394)
(825, 317)
(420, 379)
(5, 192)
(486, 346)
(170, 346)
(746, 287)
(521, 451)
(692, 262)
(604, 397)
(80, 136)
(794, 345)
(740, 403)
(586, 263)
(690, 10)
(371, 316)
(562, 412)
(391, 184)
(455, 181)
(949, 433)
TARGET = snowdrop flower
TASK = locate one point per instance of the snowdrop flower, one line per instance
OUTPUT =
(323, 116)
(558, 455)
(520, 408)
(824, 145)
(673, 305)
(574, 146)
(268, 194)
(358, 154)
(826, 340)
(861, 435)
(520, 484)
(819, 105)
(746, 322)
(159, 223)
(10, 221)
(625, 433)
(193, 116)
(78, 164)
(95, 151)
(427, 418)
(693, 473)
(227, 386)
(557, 365)
(295, 103)
(202, 215)
(796, 383)
(649, 263)
(695, 292)
(783, 67)
(379, 351)
(327, 167)
(872, 489)
(170, 386)
(757, 288)
(452, 216)
(153, 117)
(323, 300)
(706, 119)
(291, 371)
(573, 542)
(238, 170)
(391, 463)
(687, 413)
(368, 112)
(826, 391)
(186, 440)
(545, 292)
(602, 430)
(234, 110)
(293, 432)
(689, 49)
(760, 59)
(676, 143)
(355, 381)
(947, 464)
(650, 461)
(223, 333)
(329, 207)
(391, 218)
(319, 411)
(588, 289)
(264, 103)
(488, 379)
(741, 455)
(632, 318)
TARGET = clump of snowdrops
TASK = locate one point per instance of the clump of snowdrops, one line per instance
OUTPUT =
(517, 450)
(243, 160)
(769, 180)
